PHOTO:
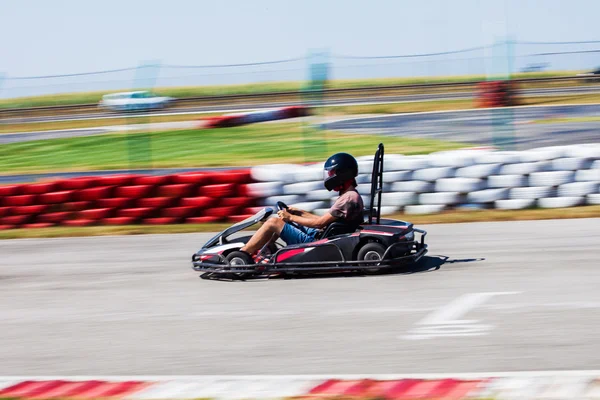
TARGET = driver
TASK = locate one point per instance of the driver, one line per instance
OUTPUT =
(340, 171)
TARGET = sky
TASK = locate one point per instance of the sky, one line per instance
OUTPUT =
(46, 37)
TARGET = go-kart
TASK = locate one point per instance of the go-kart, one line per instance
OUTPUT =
(373, 246)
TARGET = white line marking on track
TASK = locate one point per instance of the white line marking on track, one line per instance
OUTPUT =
(445, 322)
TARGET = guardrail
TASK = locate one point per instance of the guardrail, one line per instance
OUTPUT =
(266, 96)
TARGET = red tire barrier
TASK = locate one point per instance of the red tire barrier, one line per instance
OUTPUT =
(57, 197)
(179, 212)
(161, 221)
(22, 200)
(155, 202)
(201, 201)
(55, 217)
(153, 180)
(78, 222)
(117, 202)
(198, 178)
(15, 220)
(237, 218)
(136, 213)
(29, 210)
(10, 190)
(241, 176)
(222, 190)
(36, 225)
(5, 211)
(175, 190)
(96, 213)
(39, 188)
(135, 192)
(96, 193)
(220, 212)
(80, 183)
(77, 205)
(118, 221)
(116, 180)
(4, 227)
(202, 220)
(237, 119)
(251, 210)
(237, 202)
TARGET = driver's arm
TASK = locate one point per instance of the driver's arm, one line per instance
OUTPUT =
(316, 222)
(301, 213)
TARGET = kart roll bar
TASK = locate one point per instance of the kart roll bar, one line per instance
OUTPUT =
(376, 185)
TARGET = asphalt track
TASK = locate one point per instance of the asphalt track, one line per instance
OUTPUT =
(522, 127)
(512, 296)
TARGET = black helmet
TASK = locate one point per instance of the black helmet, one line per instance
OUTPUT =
(338, 169)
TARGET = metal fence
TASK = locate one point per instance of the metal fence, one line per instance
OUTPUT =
(513, 56)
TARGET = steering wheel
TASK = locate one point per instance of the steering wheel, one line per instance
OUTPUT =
(282, 206)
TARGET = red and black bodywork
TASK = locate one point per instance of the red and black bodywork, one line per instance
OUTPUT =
(375, 245)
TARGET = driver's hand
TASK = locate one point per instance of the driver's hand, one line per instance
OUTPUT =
(284, 215)
(293, 210)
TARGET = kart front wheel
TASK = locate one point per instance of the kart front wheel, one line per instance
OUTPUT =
(371, 252)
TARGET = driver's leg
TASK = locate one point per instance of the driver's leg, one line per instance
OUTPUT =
(263, 235)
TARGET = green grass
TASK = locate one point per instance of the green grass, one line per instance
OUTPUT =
(442, 218)
(199, 91)
(241, 146)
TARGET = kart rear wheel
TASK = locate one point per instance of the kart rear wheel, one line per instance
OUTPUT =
(371, 252)
(241, 260)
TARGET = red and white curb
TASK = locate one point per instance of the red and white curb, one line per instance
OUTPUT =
(508, 385)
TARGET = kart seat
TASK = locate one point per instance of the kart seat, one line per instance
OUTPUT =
(338, 228)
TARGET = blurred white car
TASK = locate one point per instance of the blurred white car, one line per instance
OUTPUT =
(134, 101)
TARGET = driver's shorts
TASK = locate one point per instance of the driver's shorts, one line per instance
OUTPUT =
(292, 235)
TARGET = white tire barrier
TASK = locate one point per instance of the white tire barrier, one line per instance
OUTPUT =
(433, 174)
(424, 209)
(593, 199)
(412, 186)
(578, 189)
(524, 168)
(514, 204)
(365, 167)
(388, 210)
(488, 195)
(323, 194)
(461, 185)
(398, 199)
(408, 163)
(455, 159)
(570, 164)
(498, 157)
(309, 173)
(287, 199)
(590, 150)
(543, 154)
(265, 189)
(440, 198)
(321, 211)
(551, 178)
(532, 192)
(561, 202)
(592, 175)
(302, 187)
(478, 171)
(275, 172)
(363, 179)
(462, 179)
(396, 176)
(507, 181)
